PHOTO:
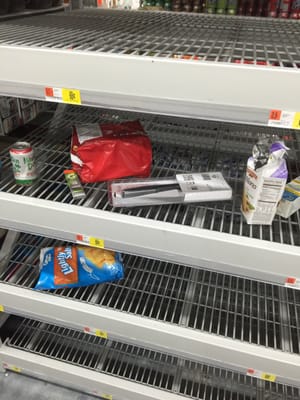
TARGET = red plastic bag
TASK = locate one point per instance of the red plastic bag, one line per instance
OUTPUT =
(110, 151)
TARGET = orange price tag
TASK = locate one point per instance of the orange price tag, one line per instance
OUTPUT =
(275, 115)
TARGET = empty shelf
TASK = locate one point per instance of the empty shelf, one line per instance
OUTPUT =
(40, 349)
(132, 60)
(30, 12)
(186, 311)
(187, 234)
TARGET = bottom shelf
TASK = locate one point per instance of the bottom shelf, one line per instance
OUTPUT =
(12, 384)
(120, 371)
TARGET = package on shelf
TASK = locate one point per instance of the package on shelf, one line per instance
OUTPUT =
(9, 124)
(23, 103)
(290, 202)
(17, 112)
(266, 176)
(182, 188)
(41, 106)
(8, 106)
(28, 113)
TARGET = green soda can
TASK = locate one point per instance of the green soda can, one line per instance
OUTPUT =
(22, 158)
(221, 6)
(232, 6)
(210, 6)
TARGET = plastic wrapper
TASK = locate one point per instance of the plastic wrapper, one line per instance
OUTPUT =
(104, 152)
(76, 266)
(265, 180)
(182, 188)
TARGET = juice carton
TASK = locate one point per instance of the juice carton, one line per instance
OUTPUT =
(265, 180)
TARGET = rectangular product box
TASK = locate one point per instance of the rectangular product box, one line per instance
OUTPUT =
(28, 114)
(40, 106)
(23, 103)
(8, 106)
(9, 124)
(290, 202)
(261, 196)
(182, 188)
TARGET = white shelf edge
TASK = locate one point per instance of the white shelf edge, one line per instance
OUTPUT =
(95, 383)
(233, 254)
(210, 90)
(189, 343)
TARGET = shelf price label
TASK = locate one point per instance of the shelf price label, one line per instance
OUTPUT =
(261, 375)
(12, 368)
(90, 241)
(1, 308)
(284, 119)
(97, 332)
(102, 395)
(291, 282)
(63, 95)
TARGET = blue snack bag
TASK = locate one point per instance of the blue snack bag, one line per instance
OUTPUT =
(76, 266)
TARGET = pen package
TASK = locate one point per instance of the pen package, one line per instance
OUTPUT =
(182, 188)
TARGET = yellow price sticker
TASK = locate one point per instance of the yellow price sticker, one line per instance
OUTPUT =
(96, 242)
(71, 96)
(1, 308)
(107, 396)
(101, 334)
(15, 369)
(296, 121)
(268, 377)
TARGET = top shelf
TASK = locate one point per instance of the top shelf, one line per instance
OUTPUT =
(205, 66)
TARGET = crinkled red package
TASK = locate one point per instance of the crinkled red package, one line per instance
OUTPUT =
(110, 151)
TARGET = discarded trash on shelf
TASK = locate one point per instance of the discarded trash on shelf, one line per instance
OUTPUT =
(266, 177)
(182, 188)
(76, 266)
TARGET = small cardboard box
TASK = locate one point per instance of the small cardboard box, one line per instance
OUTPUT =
(290, 202)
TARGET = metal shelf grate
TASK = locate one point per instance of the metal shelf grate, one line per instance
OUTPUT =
(238, 308)
(163, 371)
(179, 145)
(168, 35)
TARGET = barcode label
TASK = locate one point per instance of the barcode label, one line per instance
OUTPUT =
(261, 375)
(284, 119)
(91, 241)
(206, 177)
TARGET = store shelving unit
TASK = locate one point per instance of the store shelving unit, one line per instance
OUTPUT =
(133, 61)
(203, 299)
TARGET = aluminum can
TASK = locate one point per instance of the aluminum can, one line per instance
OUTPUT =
(273, 8)
(22, 158)
(285, 8)
(295, 11)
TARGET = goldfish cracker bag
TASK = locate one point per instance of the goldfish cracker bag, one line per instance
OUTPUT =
(76, 266)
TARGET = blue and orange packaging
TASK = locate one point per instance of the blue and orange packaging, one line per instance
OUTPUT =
(77, 266)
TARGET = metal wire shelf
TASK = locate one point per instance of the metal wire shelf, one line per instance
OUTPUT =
(165, 35)
(163, 371)
(242, 309)
(179, 145)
